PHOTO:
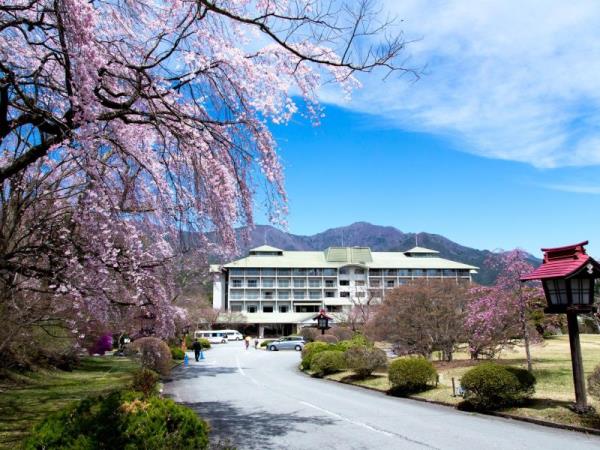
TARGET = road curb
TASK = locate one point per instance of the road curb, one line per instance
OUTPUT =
(506, 416)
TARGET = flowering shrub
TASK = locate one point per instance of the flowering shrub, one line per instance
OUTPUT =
(103, 344)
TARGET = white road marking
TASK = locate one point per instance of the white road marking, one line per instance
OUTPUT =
(367, 426)
(239, 366)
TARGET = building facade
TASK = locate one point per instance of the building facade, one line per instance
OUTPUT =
(278, 291)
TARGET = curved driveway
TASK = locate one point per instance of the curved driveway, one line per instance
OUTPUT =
(256, 399)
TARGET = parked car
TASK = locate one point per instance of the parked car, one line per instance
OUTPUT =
(287, 343)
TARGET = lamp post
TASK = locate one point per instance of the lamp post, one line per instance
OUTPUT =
(322, 321)
(568, 275)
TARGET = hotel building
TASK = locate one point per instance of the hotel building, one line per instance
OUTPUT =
(278, 291)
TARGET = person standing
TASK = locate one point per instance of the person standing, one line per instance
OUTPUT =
(197, 346)
(247, 341)
(256, 343)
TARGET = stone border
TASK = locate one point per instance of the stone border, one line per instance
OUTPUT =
(487, 413)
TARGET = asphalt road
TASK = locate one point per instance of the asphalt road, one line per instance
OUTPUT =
(256, 399)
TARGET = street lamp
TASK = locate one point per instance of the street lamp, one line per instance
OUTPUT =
(322, 321)
(567, 275)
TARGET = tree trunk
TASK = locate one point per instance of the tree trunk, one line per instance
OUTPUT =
(523, 319)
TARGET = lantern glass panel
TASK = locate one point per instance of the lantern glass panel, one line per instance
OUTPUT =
(557, 292)
(581, 290)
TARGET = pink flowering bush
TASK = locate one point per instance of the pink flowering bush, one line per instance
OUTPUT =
(103, 344)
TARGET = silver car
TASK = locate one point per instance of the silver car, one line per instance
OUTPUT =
(287, 343)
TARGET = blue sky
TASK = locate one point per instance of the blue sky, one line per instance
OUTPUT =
(497, 145)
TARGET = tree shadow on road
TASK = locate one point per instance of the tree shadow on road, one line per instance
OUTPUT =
(195, 371)
(258, 429)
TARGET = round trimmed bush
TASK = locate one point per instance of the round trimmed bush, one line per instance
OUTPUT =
(266, 342)
(327, 362)
(364, 360)
(154, 354)
(594, 383)
(411, 374)
(121, 420)
(491, 386)
(177, 353)
(310, 350)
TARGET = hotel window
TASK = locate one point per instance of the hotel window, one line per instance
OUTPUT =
(251, 308)
(252, 272)
(314, 272)
(267, 309)
(314, 295)
(343, 271)
(299, 283)
(298, 295)
(404, 273)
(344, 294)
(359, 282)
(359, 271)
(268, 282)
(329, 294)
(236, 283)
(253, 295)
(283, 308)
(375, 283)
(463, 273)
(283, 295)
(268, 295)
(375, 272)
(449, 273)
(329, 272)
(390, 272)
(284, 272)
(344, 282)
(304, 309)
(314, 283)
(360, 294)
(236, 295)
(252, 283)
(238, 272)
(330, 283)
(418, 273)
(390, 283)
(283, 283)
(433, 272)
(299, 272)
(236, 307)
(268, 272)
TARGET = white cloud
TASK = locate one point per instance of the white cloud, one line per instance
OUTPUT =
(577, 189)
(515, 80)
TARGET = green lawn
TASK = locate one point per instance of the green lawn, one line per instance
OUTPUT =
(551, 367)
(25, 399)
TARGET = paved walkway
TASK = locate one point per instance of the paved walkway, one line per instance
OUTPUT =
(256, 399)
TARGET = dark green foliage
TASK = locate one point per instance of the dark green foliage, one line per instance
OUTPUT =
(205, 343)
(490, 386)
(327, 362)
(145, 381)
(594, 383)
(121, 421)
(411, 374)
(177, 353)
(265, 343)
(310, 350)
(364, 360)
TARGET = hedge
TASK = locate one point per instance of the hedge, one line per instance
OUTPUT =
(364, 360)
(411, 374)
(328, 362)
(491, 386)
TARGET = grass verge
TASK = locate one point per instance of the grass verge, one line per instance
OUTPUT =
(26, 399)
(551, 367)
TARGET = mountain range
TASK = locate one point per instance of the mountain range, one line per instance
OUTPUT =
(379, 238)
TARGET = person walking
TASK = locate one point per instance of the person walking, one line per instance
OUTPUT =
(256, 343)
(197, 346)
(247, 341)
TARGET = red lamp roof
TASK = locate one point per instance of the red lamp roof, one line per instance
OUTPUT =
(322, 313)
(561, 262)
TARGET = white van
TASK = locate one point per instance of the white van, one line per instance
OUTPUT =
(233, 335)
(213, 336)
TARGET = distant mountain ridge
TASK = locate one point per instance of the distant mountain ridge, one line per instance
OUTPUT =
(378, 238)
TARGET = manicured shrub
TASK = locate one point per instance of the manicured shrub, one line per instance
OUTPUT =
(310, 350)
(411, 374)
(145, 381)
(154, 354)
(342, 333)
(364, 360)
(309, 333)
(327, 338)
(327, 362)
(266, 342)
(121, 420)
(177, 353)
(491, 386)
(594, 383)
